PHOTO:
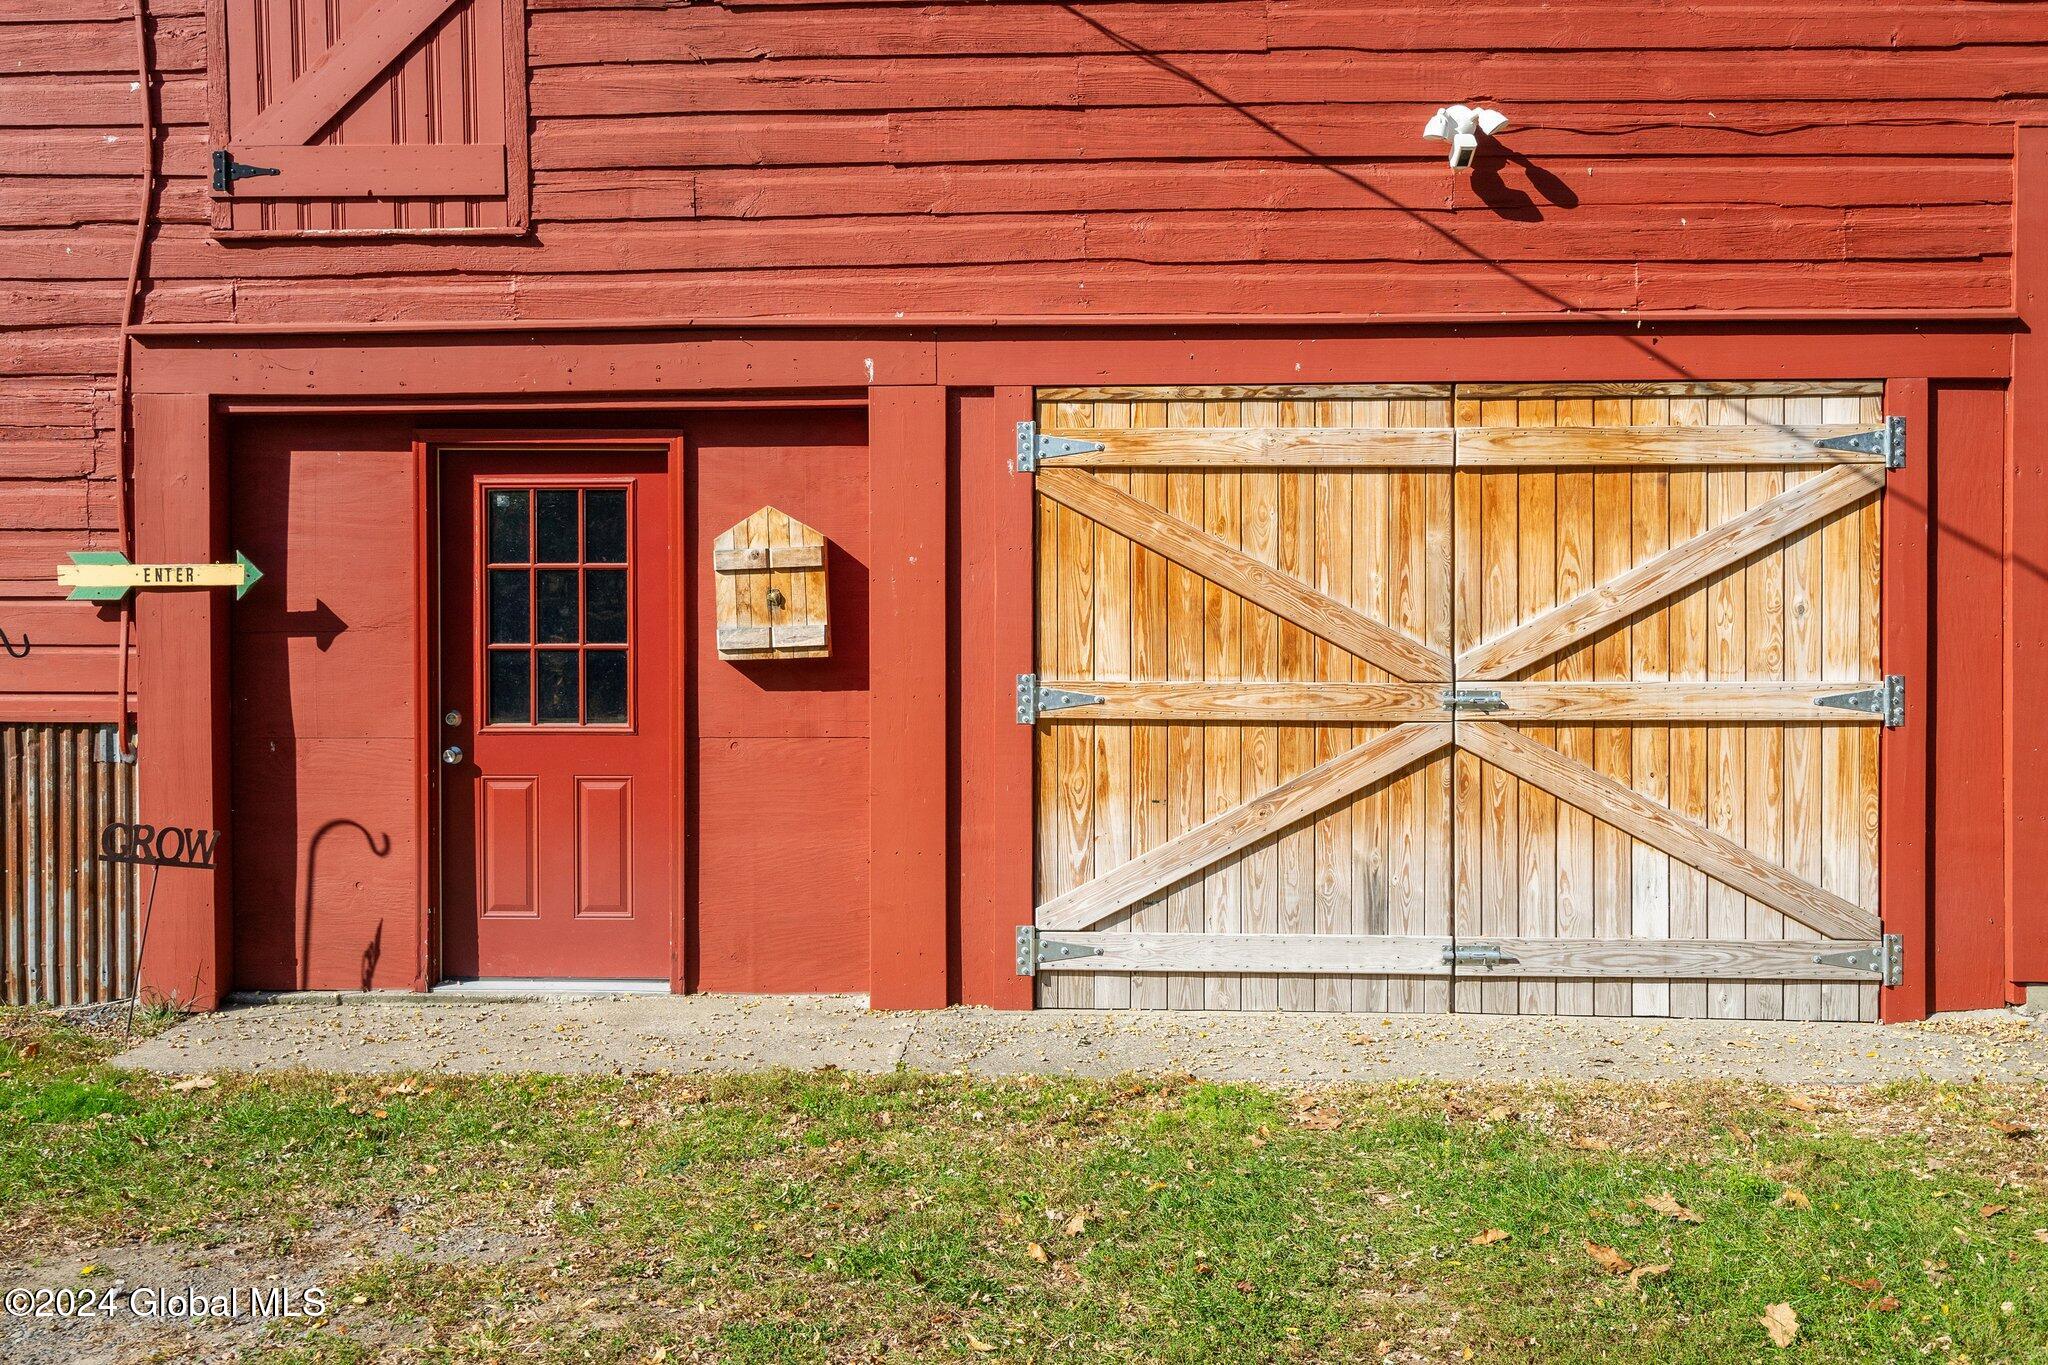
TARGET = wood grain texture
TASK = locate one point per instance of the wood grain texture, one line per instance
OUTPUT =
(1660, 577)
(1242, 826)
(1657, 445)
(1713, 853)
(1288, 954)
(1243, 574)
(1294, 702)
(1658, 960)
(1252, 447)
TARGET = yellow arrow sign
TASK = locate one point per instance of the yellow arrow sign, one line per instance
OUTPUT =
(107, 576)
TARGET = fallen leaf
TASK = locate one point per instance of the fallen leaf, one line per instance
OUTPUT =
(1794, 1198)
(2041, 1234)
(1993, 1210)
(1035, 1252)
(195, 1083)
(1671, 1208)
(1805, 1104)
(1887, 1304)
(975, 1343)
(1500, 1113)
(1608, 1259)
(29, 1050)
(1591, 1144)
(1782, 1323)
(1870, 1286)
(1077, 1225)
(2011, 1129)
(883, 1118)
(1644, 1272)
(1490, 1236)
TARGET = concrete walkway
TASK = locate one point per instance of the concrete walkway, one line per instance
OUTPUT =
(712, 1033)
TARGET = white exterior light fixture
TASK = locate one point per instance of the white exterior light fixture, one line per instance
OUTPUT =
(1461, 126)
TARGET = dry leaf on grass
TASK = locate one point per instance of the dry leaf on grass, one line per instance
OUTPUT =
(195, 1083)
(1644, 1272)
(2012, 1129)
(1887, 1304)
(2041, 1234)
(1869, 1286)
(1490, 1236)
(975, 1343)
(1805, 1104)
(1592, 1144)
(1993, 1210)
(1077, 1225)
(1794, 1198)
(1035, 1252)
(1671, 1208)
(1782, 1323)
(1608, 1259)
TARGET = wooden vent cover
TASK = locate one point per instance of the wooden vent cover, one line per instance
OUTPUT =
(771, 589)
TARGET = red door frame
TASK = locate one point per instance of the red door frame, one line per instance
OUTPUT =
(428, 447)
(186, 376)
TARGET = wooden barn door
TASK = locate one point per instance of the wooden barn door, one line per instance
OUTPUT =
(1510, 700)
(1257, 586)
(1656, 814)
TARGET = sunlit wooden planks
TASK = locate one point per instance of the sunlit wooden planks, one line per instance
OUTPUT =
(1255, 447)
(1243, 825)
(1265, 954)
(1551, 447)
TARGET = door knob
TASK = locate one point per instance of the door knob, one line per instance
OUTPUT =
(452, 754)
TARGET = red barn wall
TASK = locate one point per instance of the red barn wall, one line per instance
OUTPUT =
(323, 667)
(866, 162)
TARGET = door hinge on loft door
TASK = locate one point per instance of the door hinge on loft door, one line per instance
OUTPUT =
(1887, 958)
(1034, 701)
(1887, 701)
(1033, 948)
(1888, 440)
(1032, 447)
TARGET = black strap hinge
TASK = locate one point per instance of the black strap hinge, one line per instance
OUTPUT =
(227, 170)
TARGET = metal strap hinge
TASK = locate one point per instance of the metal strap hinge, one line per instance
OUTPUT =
(1471, 699)
(1888, 440)
(1032, 447)
(1887, 700)
(1033, 948)
(1887, 959)
(1487, 955)
(227, 170)
(1034, 701)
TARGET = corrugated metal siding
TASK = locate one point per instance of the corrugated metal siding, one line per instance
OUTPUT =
(67, 920)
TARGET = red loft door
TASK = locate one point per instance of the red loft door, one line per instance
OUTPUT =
(559, 851)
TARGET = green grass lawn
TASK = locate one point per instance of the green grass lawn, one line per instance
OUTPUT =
(826, 1217)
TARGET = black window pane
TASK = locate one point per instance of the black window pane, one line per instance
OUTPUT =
(508, 607)
(508, 526)
(604, 525)
(557, 606)
(557, 668)
(510, 688)
(604, 686)
(604, 606)
(555, 516)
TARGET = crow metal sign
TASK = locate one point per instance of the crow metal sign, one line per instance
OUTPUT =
(153, 846)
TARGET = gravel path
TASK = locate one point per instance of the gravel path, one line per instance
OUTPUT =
(711, 1033)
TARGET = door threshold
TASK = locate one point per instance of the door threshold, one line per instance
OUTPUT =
(544, 986)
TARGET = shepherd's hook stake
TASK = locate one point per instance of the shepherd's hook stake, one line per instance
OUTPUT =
(12, 652)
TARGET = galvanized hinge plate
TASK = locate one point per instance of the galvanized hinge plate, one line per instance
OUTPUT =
(1888, 440)
(1886, 701)
(1487, 955)
(1471, 699)
(1034, 701)
(1034, 948)
(1032, 447)
(227, 170)
(1887, 960)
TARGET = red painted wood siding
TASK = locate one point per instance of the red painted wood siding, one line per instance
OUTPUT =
(755, 158)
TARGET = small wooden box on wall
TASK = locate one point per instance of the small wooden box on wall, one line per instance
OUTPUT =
(772, 602)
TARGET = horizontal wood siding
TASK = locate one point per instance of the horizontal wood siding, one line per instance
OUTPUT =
(748, 159)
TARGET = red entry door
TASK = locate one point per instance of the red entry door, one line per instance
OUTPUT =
(559, 838)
